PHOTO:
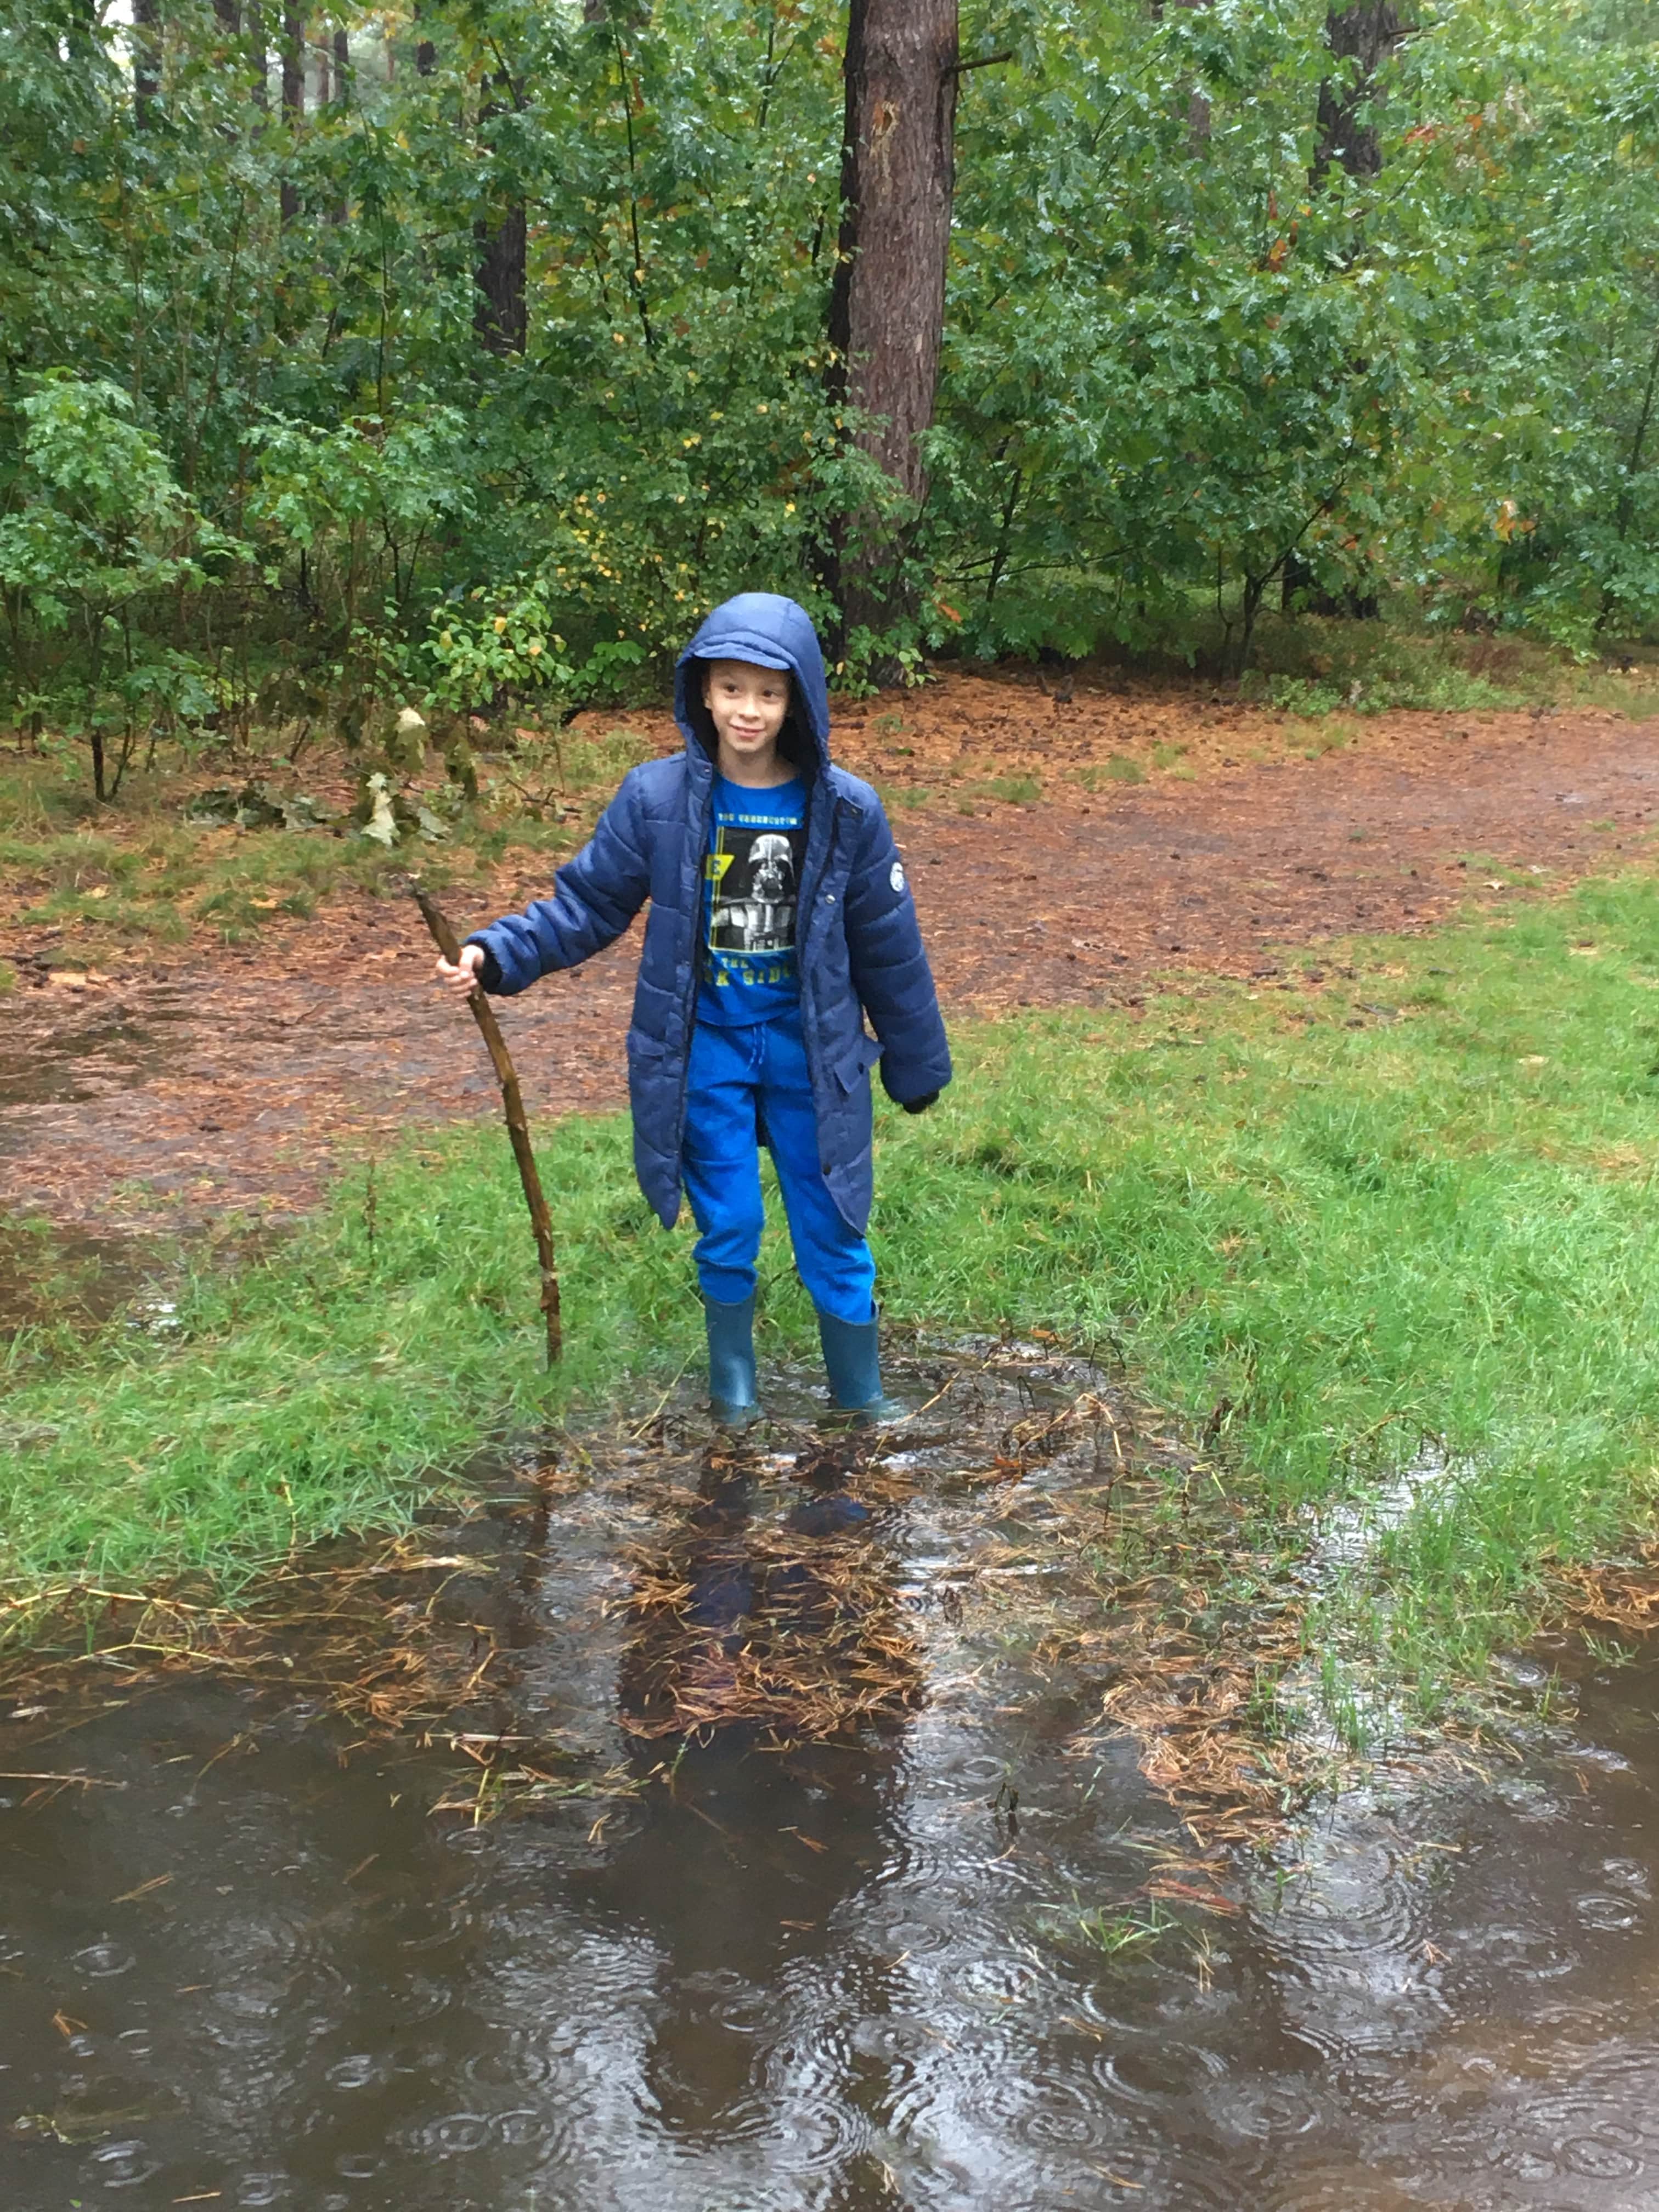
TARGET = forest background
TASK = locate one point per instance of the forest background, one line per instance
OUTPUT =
(463, 356)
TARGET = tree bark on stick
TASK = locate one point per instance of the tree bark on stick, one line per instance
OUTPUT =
(887, 304)
(518, 1129)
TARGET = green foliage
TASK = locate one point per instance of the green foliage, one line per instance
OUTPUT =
(98, 533)
(242, 449)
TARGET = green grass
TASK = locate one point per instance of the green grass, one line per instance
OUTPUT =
(1413, 1202)
(1025, 790)
(1315, 665)
(1119, 768)
(143, 871)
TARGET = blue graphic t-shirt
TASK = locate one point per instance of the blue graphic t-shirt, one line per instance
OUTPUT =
(752, 880)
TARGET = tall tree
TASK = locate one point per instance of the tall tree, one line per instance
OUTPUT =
(146, 60)
(887, 303)
(293, 96)
(1198, 103)
(1363, 37)
(501, 240)
(501, 315)
(255, 20)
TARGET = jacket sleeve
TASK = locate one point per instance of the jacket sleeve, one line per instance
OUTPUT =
(595, 897)
(890, 967)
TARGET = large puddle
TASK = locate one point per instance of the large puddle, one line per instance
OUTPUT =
(70, 1046)
(959, 1955)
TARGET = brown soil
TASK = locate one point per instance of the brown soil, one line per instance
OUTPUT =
(204, 1080)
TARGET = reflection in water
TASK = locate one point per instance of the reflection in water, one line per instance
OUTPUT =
(829, 1976)
(751, 1632)
(783, 1628)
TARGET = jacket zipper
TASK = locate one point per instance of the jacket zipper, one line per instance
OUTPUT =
(809, 908)
(689, 1005)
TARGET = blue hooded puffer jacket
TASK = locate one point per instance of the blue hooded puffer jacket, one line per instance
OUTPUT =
(858, 946)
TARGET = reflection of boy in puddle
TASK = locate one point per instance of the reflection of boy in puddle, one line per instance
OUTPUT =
(754, 1837)
(747, 1626)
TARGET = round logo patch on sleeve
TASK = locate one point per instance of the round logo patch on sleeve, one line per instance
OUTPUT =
(895, 876)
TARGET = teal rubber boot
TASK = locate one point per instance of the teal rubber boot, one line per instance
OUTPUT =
(731, 1399)
(851, 1359)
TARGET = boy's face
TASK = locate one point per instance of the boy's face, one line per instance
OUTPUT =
(748, 705)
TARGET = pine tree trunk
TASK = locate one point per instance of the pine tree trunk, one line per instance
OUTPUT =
(1366, 35)
(499, 316)
(340, 209)
(146, 61)
(294, 97)
(1198, 118)
(259, 52)
(887, 306)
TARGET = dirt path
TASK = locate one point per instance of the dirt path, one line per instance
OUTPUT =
(229, 1079)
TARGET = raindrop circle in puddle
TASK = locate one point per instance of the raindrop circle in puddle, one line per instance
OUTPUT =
(98, 1962)
(1149, 2074)
(517, 2062)
(1601, 2157)
(1611, 1914)
(357, 2072)
(122, 2165)
(257, 2189)
(1261, 2111)
(456, 2136)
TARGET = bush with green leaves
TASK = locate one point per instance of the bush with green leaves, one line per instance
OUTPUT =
(96, 541)
(1188, 364)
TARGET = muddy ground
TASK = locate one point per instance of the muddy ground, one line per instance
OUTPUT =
(1066, 849)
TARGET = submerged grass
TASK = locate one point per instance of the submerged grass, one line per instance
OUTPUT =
(1407, 1197)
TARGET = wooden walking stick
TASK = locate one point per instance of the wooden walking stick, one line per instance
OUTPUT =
(518, 1129)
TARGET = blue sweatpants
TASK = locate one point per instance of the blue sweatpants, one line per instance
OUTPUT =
(742, 1081)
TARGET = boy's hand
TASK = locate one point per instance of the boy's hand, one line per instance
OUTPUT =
(462, 975)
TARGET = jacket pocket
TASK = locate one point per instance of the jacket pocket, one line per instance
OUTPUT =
(854, 1066)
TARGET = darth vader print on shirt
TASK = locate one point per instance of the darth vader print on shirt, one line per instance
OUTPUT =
(754, 875)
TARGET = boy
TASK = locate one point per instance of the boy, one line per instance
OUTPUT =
(779, 916)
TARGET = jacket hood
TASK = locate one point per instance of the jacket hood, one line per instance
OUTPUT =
(773, 632)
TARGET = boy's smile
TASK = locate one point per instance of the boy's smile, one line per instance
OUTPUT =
(748, 705)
